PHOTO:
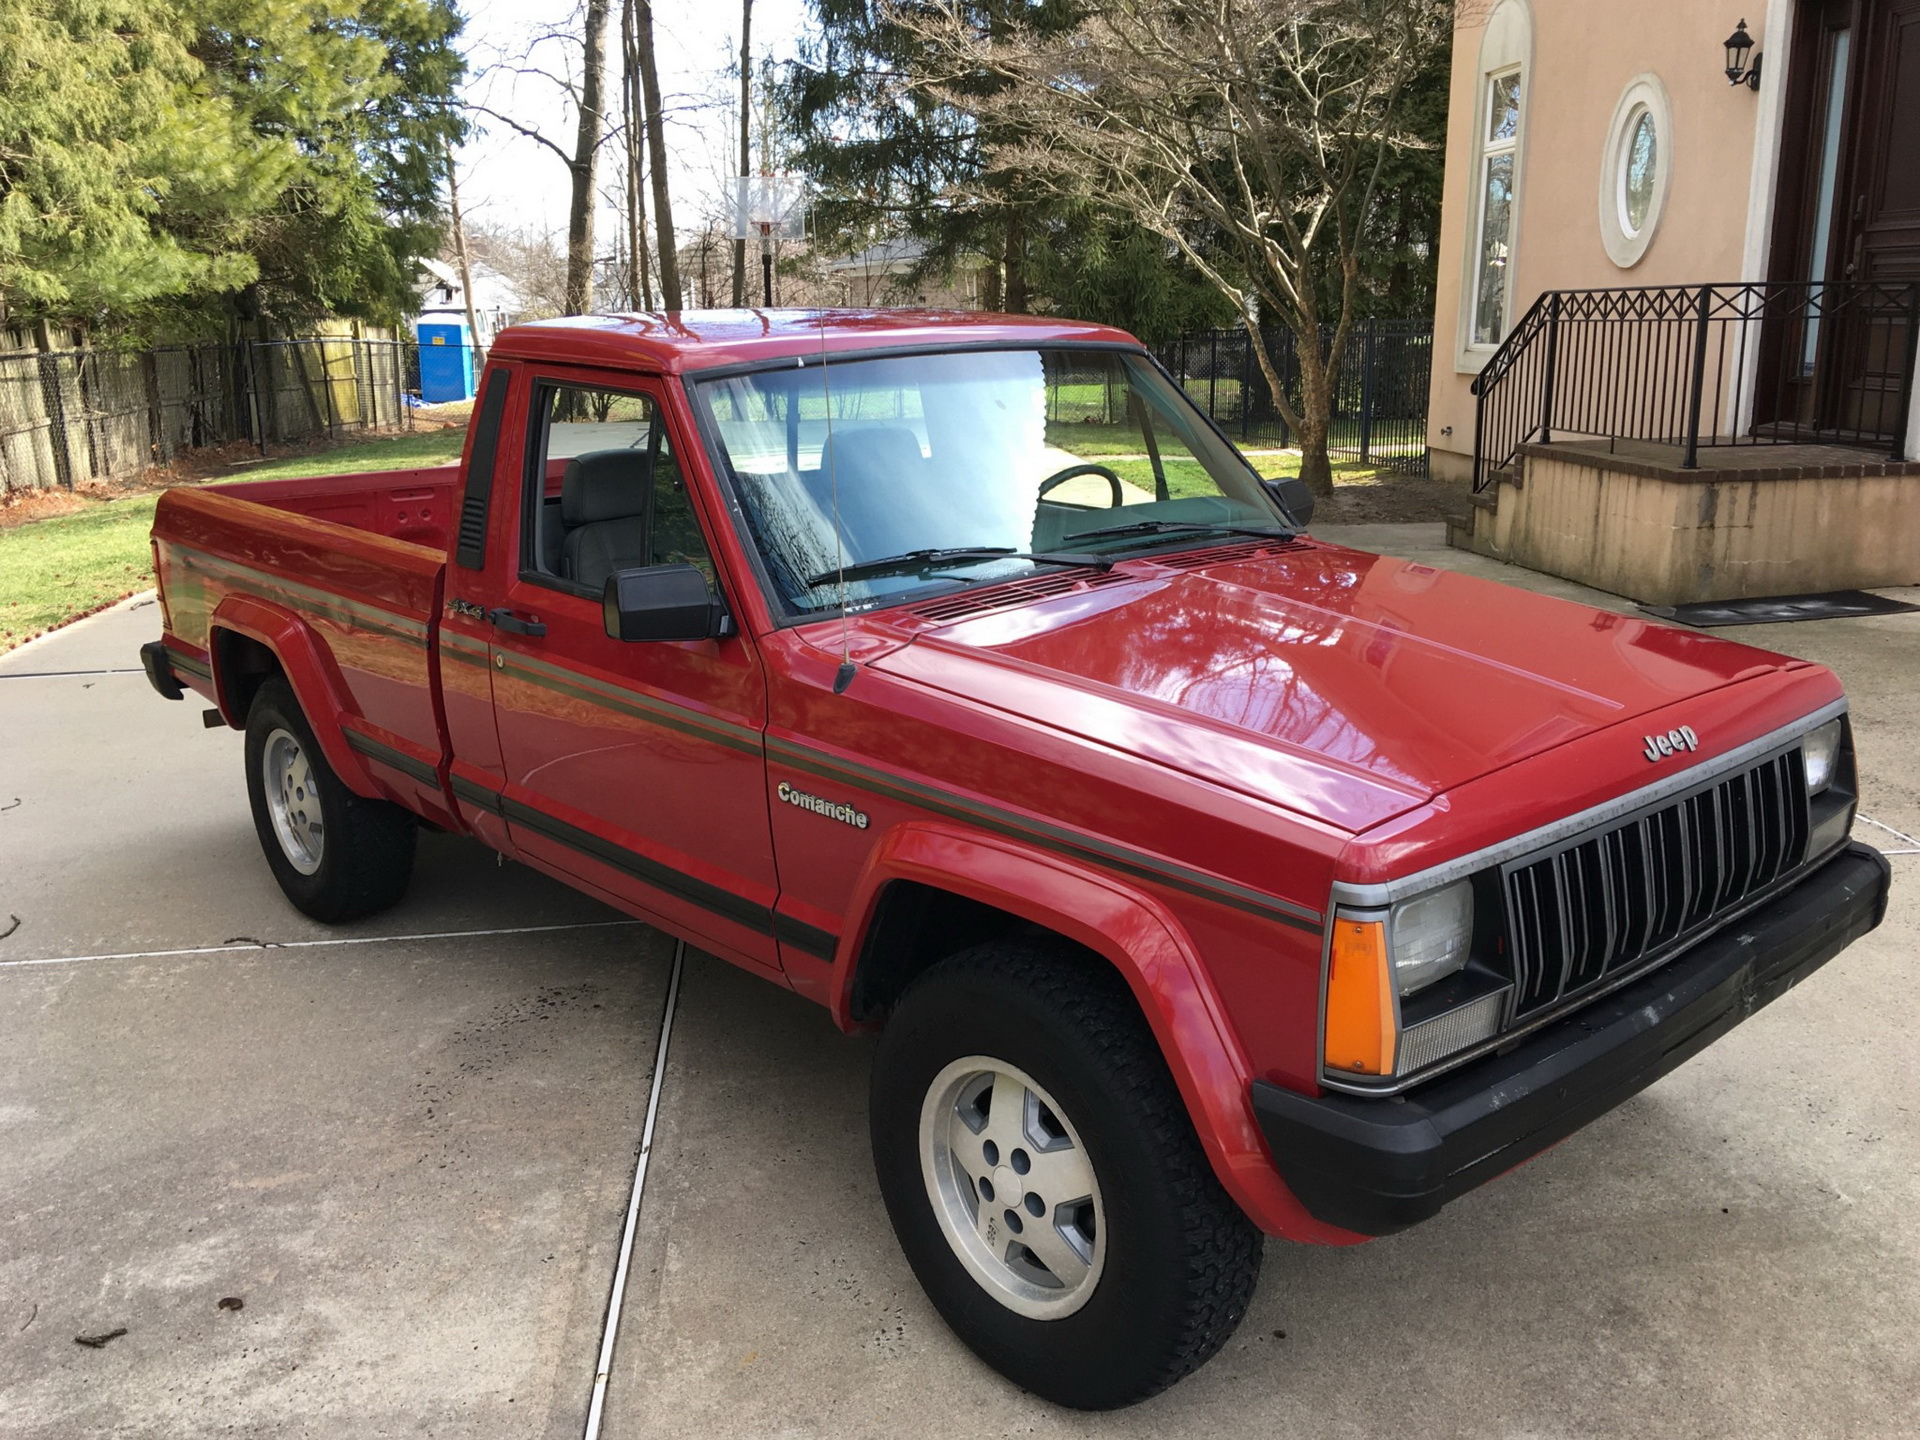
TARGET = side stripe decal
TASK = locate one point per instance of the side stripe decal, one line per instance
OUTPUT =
(802, 936)
(333, 606)
(387, 755)
(814, 941)
(631, 702)
(193, 665)
(485, 799)
(1111, 857)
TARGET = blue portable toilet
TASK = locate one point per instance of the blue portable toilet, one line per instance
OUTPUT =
(446, 361)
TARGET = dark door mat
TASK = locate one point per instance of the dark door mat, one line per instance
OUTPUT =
(1779, 609)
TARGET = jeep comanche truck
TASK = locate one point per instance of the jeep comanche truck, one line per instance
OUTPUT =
(1204, 879)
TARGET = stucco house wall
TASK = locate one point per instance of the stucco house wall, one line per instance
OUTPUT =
(1577, 62)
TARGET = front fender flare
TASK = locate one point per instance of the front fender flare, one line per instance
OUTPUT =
(309, 669)
(1142, 940)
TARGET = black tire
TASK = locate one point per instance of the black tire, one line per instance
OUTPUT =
(1180, 1259)
(363, 848)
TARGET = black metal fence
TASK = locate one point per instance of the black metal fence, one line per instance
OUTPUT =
(1703, 365)
(1380, 391)
(71, 416)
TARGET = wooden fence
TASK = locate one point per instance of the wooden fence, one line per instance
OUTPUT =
(68, 417)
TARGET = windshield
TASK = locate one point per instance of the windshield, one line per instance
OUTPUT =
(1022, 451)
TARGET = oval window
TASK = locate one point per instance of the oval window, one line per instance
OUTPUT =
(1636, 165)
(1637, 172)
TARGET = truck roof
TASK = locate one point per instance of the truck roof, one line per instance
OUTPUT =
(690, 340)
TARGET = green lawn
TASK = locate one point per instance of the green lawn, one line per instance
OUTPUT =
(56, 569)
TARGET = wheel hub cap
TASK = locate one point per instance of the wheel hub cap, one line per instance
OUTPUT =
(292, 802)
(1012, 1187)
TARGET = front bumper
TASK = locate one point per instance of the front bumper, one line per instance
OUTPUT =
(1374, 1166)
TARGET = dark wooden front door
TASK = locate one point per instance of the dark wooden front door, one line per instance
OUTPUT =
(1847, 222)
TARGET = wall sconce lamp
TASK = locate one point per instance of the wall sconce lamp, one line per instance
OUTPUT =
(1739, 72)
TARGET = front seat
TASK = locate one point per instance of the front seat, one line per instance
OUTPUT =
(879, 474)
(603, 504)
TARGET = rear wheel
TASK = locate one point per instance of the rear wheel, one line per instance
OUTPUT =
(338, 856)
(1045, 1182)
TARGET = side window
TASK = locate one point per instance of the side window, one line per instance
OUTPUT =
(604, 491)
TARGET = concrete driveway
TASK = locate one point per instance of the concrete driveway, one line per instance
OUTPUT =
(407, 1147)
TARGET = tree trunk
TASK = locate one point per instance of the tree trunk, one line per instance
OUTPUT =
(460, 256)
(586, 154)
(1018, 298)
(640, 268)
(1316, 417)
(746, 147)
(657, 154)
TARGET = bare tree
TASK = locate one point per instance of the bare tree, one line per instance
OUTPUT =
(634, 139)
(1249, 133)
(656, 153)
(459, 237)
(746, 144)
(586, 158)
(532, 261)
(582, 158)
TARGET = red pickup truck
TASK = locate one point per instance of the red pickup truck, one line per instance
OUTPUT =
(954, 671)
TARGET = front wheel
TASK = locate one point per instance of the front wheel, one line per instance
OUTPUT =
(338, 856)
(1045, 1182)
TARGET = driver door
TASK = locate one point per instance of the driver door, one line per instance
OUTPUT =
(635, 767)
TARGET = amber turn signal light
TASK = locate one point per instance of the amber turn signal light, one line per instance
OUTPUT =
(1361, 1034)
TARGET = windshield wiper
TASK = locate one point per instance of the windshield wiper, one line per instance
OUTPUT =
(916, 560)
(1179, 527)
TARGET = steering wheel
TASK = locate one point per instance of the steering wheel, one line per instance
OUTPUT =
(1060, 477)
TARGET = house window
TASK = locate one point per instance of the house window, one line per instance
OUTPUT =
(1499, 147)
(1637, 171)
(1634, 168)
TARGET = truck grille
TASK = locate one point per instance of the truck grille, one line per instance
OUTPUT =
(1619, 896)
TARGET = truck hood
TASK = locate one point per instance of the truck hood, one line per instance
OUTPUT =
(1347, 686)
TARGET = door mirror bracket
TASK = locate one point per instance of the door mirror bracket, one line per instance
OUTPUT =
(664, 602)
(1294, 496)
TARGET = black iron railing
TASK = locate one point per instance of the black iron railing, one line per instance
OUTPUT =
(1379, 410)
(1703, 365)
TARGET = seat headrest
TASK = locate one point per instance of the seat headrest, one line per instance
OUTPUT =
(872, 450)
(604, 485)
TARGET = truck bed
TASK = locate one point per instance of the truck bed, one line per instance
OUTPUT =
(347, 571)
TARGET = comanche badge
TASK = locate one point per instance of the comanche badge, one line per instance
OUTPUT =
(833, 810)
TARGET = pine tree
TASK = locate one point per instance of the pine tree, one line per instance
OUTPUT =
(162, 165)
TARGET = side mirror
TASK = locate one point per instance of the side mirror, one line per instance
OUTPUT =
(664, 602)
(1294, 497)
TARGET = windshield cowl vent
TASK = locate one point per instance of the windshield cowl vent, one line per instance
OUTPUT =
(1217, 555)
(949, 608)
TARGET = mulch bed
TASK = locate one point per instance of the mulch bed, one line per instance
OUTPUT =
(1389, 499)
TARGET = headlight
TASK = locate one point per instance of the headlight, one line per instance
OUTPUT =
(1822, 751)
(1431, 934)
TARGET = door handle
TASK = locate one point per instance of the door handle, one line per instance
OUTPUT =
(503, 619)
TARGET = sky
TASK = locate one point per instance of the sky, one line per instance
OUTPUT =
(507, 180)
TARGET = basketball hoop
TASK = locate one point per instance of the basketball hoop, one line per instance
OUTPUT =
(769, 206)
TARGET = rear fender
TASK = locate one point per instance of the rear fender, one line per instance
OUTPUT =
(1142, 940)
(309, 669)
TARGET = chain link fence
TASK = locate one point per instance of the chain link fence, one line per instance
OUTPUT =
(1379, 400)
(68, 417)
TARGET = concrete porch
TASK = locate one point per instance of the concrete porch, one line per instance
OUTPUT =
(1750, 520)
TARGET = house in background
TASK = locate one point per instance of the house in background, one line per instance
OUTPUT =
(883, 275)
(496, 302)
(1679, 293)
